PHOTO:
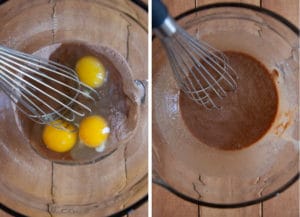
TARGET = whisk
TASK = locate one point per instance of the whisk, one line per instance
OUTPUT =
(202, 72)
(42, 89)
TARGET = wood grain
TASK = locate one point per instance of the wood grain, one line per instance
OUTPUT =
(288, 9)
(184, 5)
(179, 6)
(142, 211)
(166, 204)
(286, 204)
(4, 214)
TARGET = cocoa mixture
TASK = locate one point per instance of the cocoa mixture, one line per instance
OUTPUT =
(113, 104)
(245, 115)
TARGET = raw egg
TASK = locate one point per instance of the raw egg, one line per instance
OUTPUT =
(91, 71)
(59, 136)
(93, 131)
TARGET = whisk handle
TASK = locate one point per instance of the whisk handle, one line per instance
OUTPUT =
(159, 13)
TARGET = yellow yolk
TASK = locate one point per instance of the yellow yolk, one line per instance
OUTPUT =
(91, 71)
(59, 136)
(93, 131)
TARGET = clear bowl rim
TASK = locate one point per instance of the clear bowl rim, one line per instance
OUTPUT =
(295, 178)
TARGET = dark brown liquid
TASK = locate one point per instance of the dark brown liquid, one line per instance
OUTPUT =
(113, 104)
(246, 114)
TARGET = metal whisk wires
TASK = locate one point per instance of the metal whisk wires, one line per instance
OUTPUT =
(42, 89)
(202, 72)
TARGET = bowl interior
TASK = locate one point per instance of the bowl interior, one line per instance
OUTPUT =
(223, 177)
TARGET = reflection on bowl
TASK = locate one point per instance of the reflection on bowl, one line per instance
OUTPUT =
(246, 174)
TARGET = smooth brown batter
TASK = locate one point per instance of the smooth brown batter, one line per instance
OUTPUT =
(246, 114)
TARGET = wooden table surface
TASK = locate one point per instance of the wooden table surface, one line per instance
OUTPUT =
(165, 204)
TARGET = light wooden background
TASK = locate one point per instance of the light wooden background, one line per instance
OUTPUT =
(286, 204)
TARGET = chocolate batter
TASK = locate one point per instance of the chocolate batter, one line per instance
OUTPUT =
(246, 114)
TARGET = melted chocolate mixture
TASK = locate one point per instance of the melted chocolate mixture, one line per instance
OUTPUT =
(246, 114)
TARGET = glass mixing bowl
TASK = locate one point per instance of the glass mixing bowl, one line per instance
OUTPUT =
(223, 178)
(37, 183)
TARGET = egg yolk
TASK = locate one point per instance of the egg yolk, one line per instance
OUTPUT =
(59, 136)
(93, 131)
(91, 71)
